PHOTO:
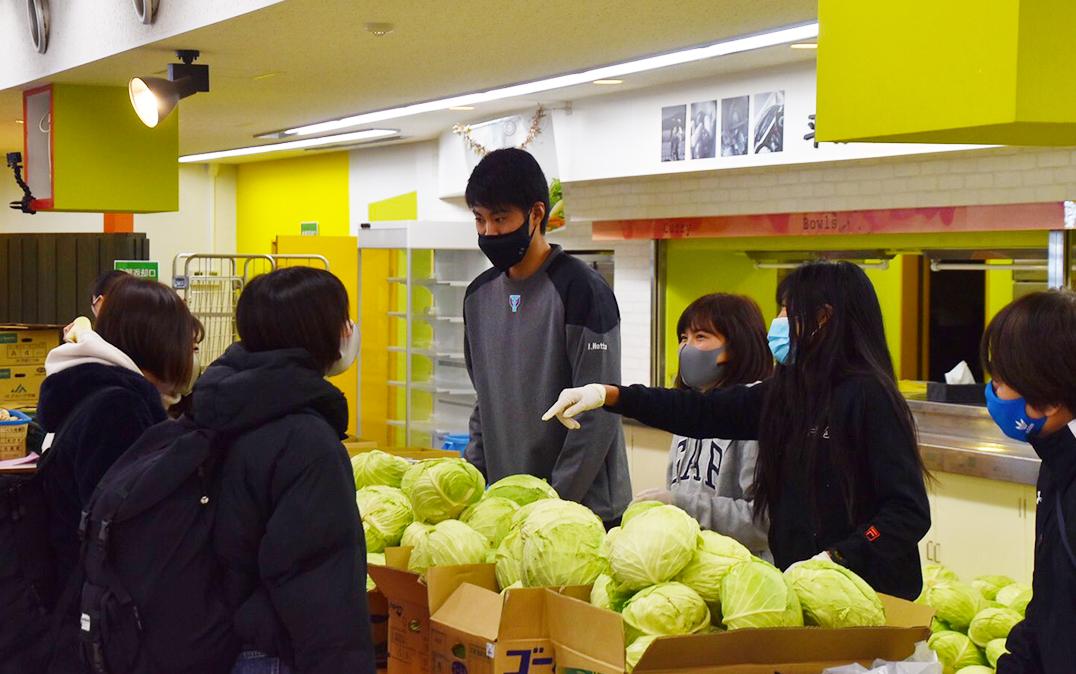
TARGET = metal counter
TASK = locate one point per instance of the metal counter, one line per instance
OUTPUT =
(963, 439)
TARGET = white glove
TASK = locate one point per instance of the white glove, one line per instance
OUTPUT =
(573, 402)
(658, 494)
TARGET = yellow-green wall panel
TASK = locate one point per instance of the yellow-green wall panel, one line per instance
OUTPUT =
(273, 197)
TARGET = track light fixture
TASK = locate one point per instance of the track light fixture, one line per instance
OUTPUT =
(153, 98)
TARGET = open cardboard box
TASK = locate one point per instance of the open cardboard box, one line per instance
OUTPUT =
(478, 631)
(411, 601)
(532, 631)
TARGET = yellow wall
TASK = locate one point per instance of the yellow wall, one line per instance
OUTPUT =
(343, 255)
(700, 266)
(273, 197)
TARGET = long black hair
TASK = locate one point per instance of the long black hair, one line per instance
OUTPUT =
(836, 331)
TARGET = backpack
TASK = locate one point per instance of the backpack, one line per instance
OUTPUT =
(27, 583)
(152, 600)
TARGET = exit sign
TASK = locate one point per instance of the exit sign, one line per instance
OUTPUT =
(308, 229)
(147, 269)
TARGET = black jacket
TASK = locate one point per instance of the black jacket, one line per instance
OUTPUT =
(882, 547)
(288, 528)
(1045, 642)
(97, 412)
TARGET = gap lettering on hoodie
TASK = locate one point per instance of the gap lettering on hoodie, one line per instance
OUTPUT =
(687, 462)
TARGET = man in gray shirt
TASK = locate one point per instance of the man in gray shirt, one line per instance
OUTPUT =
(539, 321)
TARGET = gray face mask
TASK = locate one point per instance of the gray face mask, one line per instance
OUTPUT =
(699, 369)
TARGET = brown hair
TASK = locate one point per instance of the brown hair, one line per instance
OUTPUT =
(1031, 346)
(739, 321)
(294, 308)
(151, 324)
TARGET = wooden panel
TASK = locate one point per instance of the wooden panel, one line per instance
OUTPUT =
(14, 278)
(46, 280)
(87, 269)
(67, 299)
(30, 288)
(5, 304)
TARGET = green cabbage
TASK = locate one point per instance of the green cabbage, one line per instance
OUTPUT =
(940, 626)
(636, 650)
(415, 537)
(713, 558)
(378, 468)
(994, 650)
(636, 508)
(450, 543)
(440, 489)
(563, 544)
(954, 602)
(936, 573)
(1012, 594)
(508, 560)
(955, 651)
(1020, 602)
(605, 594)
(757, 594)
(665, 609)
(654, 547)
(385, 513)
(377, 559)
(992, 623)
(976, 669)
(833, 596)
(491, 517)
(523, 489)
(988, 586)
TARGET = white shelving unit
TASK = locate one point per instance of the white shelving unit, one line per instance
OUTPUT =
(439, 261)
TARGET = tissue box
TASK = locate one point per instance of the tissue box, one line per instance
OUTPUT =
(957, 394)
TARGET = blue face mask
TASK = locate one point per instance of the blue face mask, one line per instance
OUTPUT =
(1011, 416)
(780, 342)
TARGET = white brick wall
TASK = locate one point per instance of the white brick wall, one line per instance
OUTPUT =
(975, 177)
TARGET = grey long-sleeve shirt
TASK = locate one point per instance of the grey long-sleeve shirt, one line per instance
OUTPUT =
(525, 341)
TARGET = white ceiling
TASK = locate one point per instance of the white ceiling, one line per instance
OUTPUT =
(304, 61)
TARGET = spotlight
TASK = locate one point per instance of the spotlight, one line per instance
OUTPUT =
(153, 98)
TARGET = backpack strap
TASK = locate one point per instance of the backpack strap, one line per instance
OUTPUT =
(1063, 530)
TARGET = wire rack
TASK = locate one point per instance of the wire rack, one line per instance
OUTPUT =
(211, 284)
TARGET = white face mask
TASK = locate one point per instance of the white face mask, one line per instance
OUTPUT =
(349, 351)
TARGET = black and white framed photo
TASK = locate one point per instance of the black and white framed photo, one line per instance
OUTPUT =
(769, 126)
(673, 133)
(735, 129)
(704, 130)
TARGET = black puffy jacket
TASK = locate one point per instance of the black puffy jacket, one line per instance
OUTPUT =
(288, 528)
(97, 412)
(1043, 643)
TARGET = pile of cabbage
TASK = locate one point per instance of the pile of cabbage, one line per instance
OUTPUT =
(972, 620)
(442, 510)
(667, 577)
(659, 570)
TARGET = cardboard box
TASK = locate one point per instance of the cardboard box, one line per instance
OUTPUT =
(378, 607)
(27, 344)
(20, 385)
(481, 632)
(535, 631)
(411, 601)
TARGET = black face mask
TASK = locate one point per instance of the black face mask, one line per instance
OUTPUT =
(507, 250)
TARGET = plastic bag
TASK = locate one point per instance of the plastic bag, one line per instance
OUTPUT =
(922, 661)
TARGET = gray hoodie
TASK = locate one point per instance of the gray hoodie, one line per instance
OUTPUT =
(710, 478)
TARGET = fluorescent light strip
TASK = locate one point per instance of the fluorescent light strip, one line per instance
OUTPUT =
(365, 135)
(772, 38)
